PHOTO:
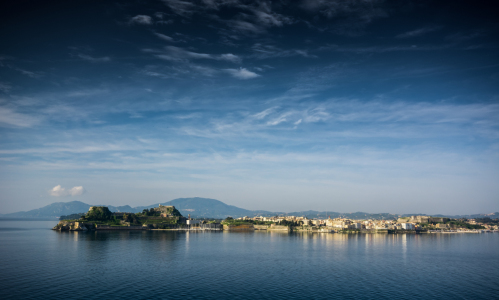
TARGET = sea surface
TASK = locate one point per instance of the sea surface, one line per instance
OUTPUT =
(38, 263)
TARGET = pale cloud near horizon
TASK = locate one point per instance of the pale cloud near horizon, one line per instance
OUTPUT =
(58, 191)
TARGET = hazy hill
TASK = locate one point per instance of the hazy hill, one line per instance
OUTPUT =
(197, 207)
(53, 210)
(58, 209)
(310, 214)
(207, 208)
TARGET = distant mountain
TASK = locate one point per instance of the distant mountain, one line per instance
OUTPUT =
(57, 209)
(208, 208)
(196, 207)
(470, 216)
(491, 215)
(53, 210)
(310, 214)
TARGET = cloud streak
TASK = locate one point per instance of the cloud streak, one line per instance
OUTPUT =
(141, 20)
(94, 59)
(11, 118)
(177, 54)
(418, 32)
(242, 73)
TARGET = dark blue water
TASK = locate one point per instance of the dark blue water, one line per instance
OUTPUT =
(37, 263)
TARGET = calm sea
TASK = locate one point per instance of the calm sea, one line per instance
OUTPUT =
(38, 263)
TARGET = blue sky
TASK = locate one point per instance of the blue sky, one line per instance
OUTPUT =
(343, 106)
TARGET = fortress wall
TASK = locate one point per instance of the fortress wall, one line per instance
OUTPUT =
(106, 227)
(261, 227)
(239, 227)
(279, 228)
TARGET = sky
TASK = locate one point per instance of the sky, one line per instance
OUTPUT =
(361, 105)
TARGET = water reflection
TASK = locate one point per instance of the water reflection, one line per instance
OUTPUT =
(43, 264)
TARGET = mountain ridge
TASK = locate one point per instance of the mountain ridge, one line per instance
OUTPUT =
(208, 208)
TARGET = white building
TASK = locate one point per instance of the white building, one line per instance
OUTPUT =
(408, 226)
(356, 225)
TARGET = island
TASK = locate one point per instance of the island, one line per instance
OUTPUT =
(169, 218)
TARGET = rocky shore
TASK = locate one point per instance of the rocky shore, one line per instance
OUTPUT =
(74, 226)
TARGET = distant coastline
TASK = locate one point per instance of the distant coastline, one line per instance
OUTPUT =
(205, 208)
(169, 218)
(28, 219)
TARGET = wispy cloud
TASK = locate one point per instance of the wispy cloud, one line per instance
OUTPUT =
(279, 119)
(160, 18)
(31, 74)
(141, 20)
(418, 32)
(230, 57)
(250, 17)
(94, 59)
(242, 73)
(262, 51)
(181, 7)
(256, 19)
(347, 17)
(316, 115)
(465, 36)
(263, 114)
(178, 54)
(353, 119)
(5, 87)
(9, 117)
(383, 49)
(164, 37)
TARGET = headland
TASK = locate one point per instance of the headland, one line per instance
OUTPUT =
(169, 218)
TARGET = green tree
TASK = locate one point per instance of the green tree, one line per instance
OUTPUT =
(132, 218)
(99, 213)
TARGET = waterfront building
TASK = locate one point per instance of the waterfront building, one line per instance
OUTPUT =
(356, 225)
(408, 226)
(442, 226)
